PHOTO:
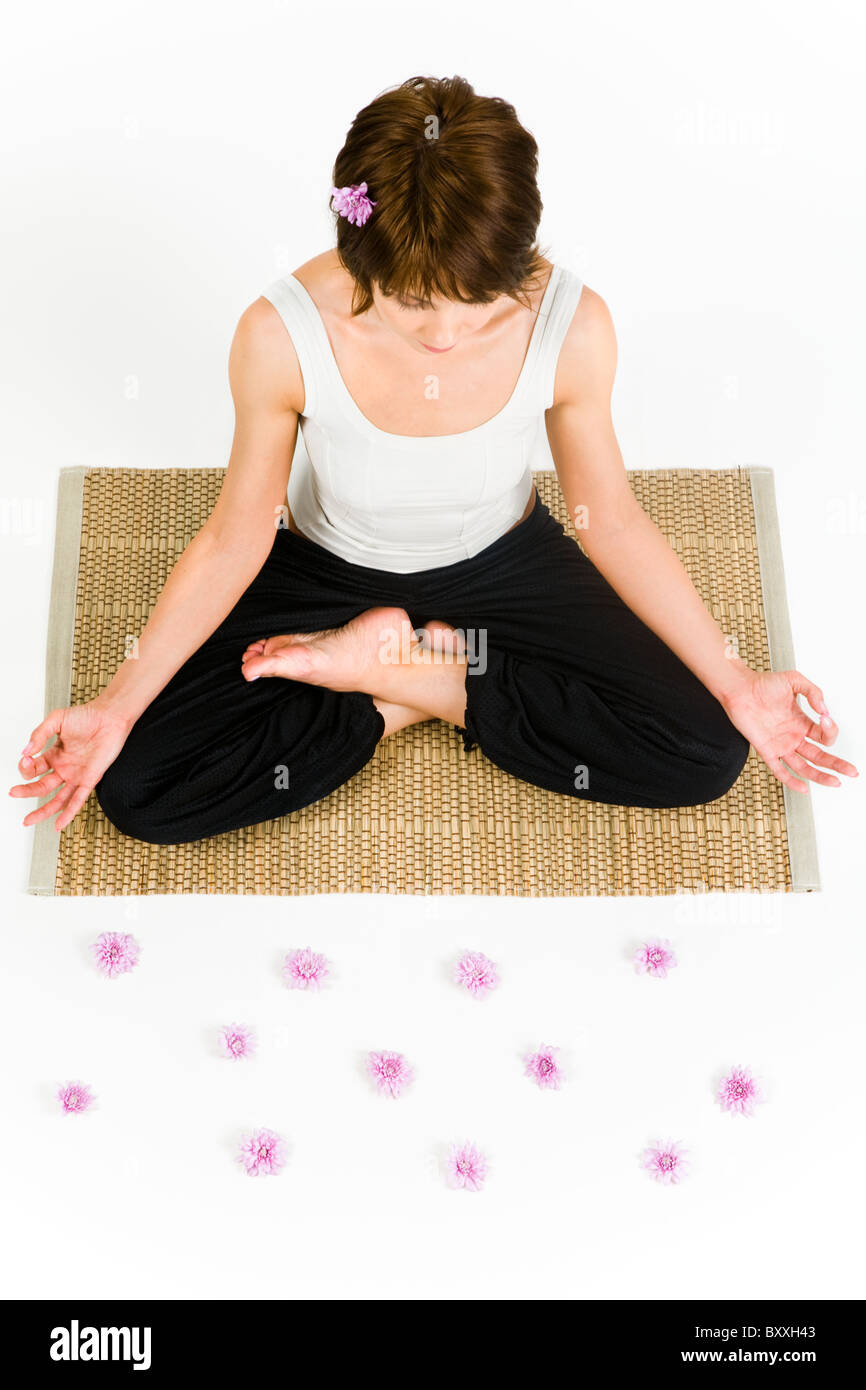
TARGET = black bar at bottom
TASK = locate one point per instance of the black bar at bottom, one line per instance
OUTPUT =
(156, 1338)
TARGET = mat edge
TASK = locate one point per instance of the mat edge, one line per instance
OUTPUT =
(58, 651)
(799, 820)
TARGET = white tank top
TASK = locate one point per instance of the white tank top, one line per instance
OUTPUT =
(402, 502)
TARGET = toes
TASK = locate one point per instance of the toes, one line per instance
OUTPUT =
(293, 662)
(441, 638)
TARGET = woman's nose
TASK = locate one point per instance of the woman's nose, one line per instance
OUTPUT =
(441, 331)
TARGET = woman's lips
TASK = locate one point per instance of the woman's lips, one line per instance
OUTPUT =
(432, 349)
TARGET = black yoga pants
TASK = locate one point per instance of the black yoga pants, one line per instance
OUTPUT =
(567, 689)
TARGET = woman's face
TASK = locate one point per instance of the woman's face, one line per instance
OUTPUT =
(433, 327)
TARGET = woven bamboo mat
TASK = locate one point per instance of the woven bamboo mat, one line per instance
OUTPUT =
(421, 817)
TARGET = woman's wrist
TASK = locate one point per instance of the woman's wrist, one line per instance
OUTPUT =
(116, 708)
(733, 681)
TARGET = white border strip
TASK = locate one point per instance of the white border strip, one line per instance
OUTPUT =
(802, 845)
(58, 657)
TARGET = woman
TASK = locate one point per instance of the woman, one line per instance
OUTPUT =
(419, 575)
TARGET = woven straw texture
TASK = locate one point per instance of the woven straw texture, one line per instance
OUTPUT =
(422, 817)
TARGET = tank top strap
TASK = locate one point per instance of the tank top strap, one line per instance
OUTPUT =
(553, 328)
(292, 303)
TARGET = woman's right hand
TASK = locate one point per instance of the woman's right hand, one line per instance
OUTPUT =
(89, 738)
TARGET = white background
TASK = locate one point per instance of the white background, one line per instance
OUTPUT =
(701, 169)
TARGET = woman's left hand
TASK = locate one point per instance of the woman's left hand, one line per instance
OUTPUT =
(766, 711)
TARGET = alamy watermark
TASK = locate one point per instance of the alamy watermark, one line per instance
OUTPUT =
(469, 645)
(75, 1343)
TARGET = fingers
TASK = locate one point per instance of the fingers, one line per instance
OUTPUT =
(817, 755)
(801, 685)
(44, 731)
(779, 770)
(57, 802)
(825, 732)
(72, 807)
(33, 767)
(40, 788)
(824, 729)
(798, 764)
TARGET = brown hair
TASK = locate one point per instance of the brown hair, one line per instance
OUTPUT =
(453, 177)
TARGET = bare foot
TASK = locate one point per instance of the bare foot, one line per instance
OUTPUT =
(441, 637)
(342, 658)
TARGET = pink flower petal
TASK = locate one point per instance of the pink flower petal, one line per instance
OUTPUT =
(391, 1072)
(115, 953)
(466, 1167)
(236, 1041)
(543, 1068)
(739, 1092)
(655, 958)
(477, 973)
(352, 203)
(665, 1162)
(262, 1153)
(75, 1097)
(305, 969)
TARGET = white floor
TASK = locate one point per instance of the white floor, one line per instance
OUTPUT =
(141, 1197)
(738, 300)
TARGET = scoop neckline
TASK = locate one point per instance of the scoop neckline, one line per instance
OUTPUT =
(374, 431)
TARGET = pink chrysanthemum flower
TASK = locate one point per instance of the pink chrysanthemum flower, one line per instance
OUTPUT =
(667, 1162)
(390, 1071)
(305, 969)
(477, 973)
(75, 1097)
(115, 953)
(544, 1069)
(352, 203)
(655, 958)
(739, 1092)
(237, 1041)
(466, 1167)
(261, 1153)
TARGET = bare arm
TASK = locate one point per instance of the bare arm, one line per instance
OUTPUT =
(208, 579)
(233, 544)
(637, 561)
(614, 530)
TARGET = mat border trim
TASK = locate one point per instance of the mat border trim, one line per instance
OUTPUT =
(799, 820)
(58, 657)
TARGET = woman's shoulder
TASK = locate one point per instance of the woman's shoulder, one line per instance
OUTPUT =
(587, 357)
(263, 347)
(591, 319)
(326, 281)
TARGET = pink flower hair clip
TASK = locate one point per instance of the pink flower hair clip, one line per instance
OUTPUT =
(352, 203)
